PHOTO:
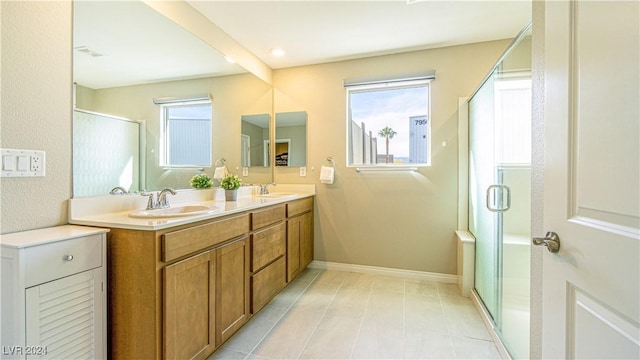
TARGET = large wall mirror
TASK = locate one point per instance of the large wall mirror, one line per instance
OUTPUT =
(126, 54)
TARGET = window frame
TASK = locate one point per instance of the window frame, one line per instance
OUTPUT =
(164, 132)
(385, 85)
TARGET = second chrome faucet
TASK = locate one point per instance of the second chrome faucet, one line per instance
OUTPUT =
(264, 189)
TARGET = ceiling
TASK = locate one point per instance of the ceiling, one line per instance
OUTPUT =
(138, 45)
(120, 43)
(319, 31)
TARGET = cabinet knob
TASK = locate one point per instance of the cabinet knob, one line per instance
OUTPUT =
(68, 257)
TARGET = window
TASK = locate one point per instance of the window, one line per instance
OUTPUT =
(389, 123)
(186, 134)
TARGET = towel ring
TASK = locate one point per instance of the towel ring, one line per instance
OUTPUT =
(221, 162)
(329, 159)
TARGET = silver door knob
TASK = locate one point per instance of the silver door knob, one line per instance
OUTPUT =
(551, 240)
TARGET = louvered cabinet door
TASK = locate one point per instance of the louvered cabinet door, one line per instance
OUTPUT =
(64, 317)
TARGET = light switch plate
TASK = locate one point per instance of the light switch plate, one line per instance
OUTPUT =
(22, 163)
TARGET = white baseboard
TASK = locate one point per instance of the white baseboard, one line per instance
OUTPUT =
(375, 270)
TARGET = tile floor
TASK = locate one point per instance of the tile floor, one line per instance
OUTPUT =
(326, 314)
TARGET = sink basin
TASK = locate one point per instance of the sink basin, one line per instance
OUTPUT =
(187, 210)
(276, 195)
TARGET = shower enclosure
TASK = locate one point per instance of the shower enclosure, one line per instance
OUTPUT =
(499, 193)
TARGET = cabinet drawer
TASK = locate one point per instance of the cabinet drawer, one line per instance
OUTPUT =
(272, 215)
(266, 284)
(267, 245)
(183, 242)
(62, 258)
(299, 206)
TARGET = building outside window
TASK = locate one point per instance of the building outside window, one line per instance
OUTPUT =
(388, 123)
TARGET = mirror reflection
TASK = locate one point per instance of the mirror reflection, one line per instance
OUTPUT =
(291, 139)
(106, 153)
(254, 141)
(126, 57)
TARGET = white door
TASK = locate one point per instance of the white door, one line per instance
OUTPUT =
(591, 287)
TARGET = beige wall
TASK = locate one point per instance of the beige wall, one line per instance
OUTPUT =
(36, 110)
(399, 220)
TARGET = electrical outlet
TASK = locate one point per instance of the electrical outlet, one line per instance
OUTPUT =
(35, 163)
(303, 171)
(245, 171)
(38, 163)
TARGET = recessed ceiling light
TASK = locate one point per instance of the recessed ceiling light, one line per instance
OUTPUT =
(277, 52)
(229, 60)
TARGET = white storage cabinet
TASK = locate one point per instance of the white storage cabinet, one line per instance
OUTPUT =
(53, 295)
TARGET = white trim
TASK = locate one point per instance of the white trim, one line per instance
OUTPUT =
(375, 270)
(463, 163)
(365, 81)
(488, 323)
(177, 100)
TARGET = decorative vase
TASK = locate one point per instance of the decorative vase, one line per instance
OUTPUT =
(231, 195)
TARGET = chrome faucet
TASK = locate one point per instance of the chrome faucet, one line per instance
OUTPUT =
(151, 203)
(163, 202)
(118, 190)
(264, 189)
(160, 201)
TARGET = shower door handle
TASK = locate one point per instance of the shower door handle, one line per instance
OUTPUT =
(551, 240)
(498, 206)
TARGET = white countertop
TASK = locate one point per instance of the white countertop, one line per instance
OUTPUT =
(29, 238)
(113, 211)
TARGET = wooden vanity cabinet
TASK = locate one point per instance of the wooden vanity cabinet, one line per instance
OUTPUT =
(268, 244)
(177, 292)
(299, 236)
(181, 292)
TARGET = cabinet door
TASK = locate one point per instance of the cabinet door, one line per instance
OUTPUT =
(266, 284)
(294, 232)
(306, 240)
(64, 318)
(232, 288)
(189, 303)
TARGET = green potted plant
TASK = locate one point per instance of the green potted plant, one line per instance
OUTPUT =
(230, 183)
(201, 181)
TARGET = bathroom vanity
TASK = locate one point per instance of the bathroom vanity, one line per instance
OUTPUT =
(180, 287)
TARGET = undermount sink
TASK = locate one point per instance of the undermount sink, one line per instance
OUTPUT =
(187, 210)
(276, 195)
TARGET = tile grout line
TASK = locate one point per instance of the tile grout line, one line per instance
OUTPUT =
(281, 316)
(366, 307)
(324, 313)
(446, 319)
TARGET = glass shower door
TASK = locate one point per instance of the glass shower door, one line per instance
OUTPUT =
(483, 223)
(499, 194)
